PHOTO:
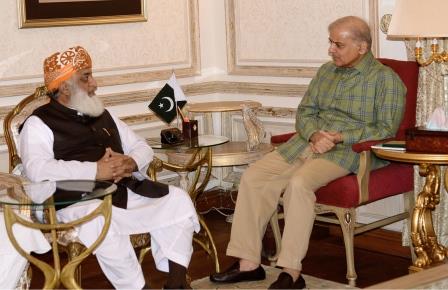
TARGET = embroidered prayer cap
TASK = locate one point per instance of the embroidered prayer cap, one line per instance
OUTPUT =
(60, 66)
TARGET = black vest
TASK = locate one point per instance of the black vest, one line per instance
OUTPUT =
(82, 138)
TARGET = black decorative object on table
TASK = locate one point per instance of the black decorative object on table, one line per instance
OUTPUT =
(171, 136)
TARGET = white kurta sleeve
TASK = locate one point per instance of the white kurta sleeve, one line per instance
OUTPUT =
(36, 151)
(135, 147)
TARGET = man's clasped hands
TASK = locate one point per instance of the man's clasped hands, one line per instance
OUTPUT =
(323, 141)
(114, 165)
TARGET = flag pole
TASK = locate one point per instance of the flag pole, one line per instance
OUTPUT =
(177, 113)
(182, 116)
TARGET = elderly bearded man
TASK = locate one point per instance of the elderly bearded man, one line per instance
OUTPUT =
(74, 137)
(352, 98)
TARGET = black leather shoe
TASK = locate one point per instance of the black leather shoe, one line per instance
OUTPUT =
(233, 275)
(285, 281)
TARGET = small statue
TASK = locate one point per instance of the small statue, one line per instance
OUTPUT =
(254, 128)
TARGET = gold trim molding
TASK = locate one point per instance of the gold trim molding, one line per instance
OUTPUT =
(283, 71)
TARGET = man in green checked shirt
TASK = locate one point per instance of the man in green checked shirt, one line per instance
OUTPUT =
(352, 98)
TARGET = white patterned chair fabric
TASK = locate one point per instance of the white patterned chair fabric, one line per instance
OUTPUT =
(16, 117)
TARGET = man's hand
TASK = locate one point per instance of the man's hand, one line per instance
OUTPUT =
(122, 165)
(336, 137)
(324, 141)
(115, 166)
(104, 170)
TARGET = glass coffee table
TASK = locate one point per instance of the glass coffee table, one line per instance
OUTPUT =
(40, 201)
(200, 157)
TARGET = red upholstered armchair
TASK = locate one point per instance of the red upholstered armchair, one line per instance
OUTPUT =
(342, 196)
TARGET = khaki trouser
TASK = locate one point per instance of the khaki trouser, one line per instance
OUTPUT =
(260, 189)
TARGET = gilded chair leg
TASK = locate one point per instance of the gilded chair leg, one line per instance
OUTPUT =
(347, 221)
(277, 237)
(142, 242)
(141, 257)
(143, 253)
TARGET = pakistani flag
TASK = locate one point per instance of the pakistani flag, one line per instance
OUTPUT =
(165, 103)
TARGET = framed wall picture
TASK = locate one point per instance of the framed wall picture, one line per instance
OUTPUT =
(44, 13)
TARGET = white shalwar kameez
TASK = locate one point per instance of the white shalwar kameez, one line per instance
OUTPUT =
(170, 219)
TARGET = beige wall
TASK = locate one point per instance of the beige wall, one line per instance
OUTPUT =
(113, 47)
(286, 32)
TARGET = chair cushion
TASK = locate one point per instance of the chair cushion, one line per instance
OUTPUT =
(390, 180)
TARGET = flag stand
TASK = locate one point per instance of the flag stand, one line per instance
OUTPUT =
(172, 95)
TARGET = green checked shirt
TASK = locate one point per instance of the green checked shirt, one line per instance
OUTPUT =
(365, 102)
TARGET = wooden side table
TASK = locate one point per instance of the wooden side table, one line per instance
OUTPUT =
(424, 240)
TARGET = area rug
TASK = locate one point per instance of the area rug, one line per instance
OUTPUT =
(271, 275)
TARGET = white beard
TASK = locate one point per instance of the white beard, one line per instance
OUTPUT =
(83, 103)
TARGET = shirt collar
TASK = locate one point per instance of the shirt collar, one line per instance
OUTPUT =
(361, 67)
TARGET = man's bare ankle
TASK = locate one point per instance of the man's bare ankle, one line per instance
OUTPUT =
(246, 265)
(293, 273)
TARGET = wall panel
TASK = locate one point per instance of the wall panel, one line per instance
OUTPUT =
(285, 38)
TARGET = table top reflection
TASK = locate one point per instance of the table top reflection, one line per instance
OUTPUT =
(201, 141)
(54, 193)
